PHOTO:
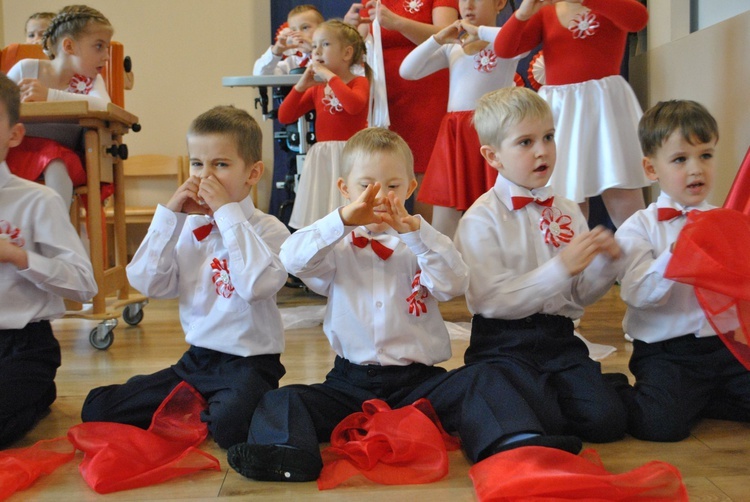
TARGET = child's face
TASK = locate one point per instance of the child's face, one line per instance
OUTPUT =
(481, 12)
(304, 23)
(217, 155)
(527, 155)
(329, 51)
(10, 135)
(388, 169)
(684, 171)
(91, 49)
(35, 29)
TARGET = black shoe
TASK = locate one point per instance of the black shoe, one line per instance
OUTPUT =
(571, 444)
(267, 462)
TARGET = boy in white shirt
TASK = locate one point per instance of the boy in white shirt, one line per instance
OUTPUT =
(533, 265)
(683, 371)
(294, 42)
(42, 261)
(214, 250)
(383, 272)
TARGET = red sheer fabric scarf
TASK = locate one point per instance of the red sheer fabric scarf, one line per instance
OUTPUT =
(122, 457)
(391, 447)
(739, 195)
(534, 473)
(710, 255)
(20, 467)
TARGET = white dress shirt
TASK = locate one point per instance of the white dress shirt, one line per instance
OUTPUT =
(271, 64)
(467, 82)
(658, 308)
(34, 217)
(514, 272)
(226, 283)
(98, 98)
(367, 320)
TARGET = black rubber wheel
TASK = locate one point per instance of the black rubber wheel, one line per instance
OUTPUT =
(132, 319)
(101, 343)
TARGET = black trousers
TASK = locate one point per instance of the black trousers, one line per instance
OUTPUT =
(29, 358)
(680, 381)
(465, 399)
(232, 385)
(551, 369)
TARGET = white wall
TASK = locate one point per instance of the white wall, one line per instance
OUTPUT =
(710, 66)
(180, 51)
(711, 12)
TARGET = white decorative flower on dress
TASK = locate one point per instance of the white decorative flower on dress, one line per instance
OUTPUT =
(413, 6)
(485, 61)
(80, 84)
(11, 234)
(331, 103)
(583, 25)
(221, 278)
(556, 226)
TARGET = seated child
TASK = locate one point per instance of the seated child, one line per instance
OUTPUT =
(293, 46)
(383, 272)
(534, 265)
(36, 25)
(211, 248)
(42, 261)
(683, 371)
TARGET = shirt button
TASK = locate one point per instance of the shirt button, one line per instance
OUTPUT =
(379, 304)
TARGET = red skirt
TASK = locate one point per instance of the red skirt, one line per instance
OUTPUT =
(29, 159)
(457, 173)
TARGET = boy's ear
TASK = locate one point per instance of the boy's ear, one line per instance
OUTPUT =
(17, 132)
(410, 190)
(648, 168)
(341, 184)
(490, 155)
(256, 172)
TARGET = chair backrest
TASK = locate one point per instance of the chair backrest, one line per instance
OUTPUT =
(152, 179)
(113, 73)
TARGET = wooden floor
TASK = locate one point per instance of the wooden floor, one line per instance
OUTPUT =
(714, 461)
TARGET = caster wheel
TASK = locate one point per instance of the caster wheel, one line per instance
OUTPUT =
(132, 314)
(101, 342)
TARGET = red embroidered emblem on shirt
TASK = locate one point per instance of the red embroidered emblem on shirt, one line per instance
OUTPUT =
(583, 25)
(485, 61)
(80, 84)
(412, 6)
(556, 226)
(11, 234)
(416, 306)
(221, 278)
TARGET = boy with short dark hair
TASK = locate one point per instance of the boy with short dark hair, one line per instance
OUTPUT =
(214, 250)
(42, 261)
(293, 45)
(683, 371)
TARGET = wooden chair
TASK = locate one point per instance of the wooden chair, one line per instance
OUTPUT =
(149, 180)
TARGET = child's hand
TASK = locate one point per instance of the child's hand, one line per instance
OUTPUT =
(398, 217)
(307, 80)
(353, 16)
(585, 247)
(186, 200)
(450, 34)
(213, 193)
(32, 90)
(10, 253)
(322, 71)
(530, 7)
(281, 46)
(362, 210)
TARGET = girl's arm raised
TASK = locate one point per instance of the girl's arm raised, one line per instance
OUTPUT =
(628, 15)
(355, 98)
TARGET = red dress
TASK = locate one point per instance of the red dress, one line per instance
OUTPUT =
(416, 108)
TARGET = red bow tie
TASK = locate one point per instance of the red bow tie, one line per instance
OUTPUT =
(382, 251)
(520, 201)
(670, 213)
(202, 232)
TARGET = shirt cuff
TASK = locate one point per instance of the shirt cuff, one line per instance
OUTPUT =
(228, 216)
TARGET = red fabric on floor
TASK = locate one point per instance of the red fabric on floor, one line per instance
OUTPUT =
(534, 473)
(21, 467)
(393, 447)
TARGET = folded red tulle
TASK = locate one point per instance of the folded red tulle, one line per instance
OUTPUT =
(739, 195)
(392, 447)
(122, 457)
(534, 473)
(710, 255)
(20, 467)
